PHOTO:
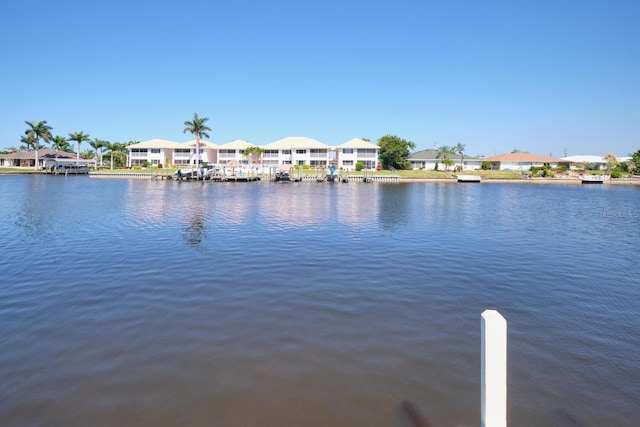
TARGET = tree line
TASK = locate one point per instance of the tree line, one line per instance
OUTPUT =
(38, 134)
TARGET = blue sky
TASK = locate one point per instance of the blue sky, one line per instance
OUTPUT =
(540, 76)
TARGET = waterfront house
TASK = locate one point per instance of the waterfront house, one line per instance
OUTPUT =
(233, 152)
(297, 150)
(290, 151)
(523, 161)
(26, 159)
(154, 151)
(427, 159)
(188, 151)
(590, 161)
(356, 150)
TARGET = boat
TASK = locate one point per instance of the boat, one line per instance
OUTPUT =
(282, 176)
(469, 178)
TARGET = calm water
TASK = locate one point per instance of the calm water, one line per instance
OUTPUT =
(161, 303)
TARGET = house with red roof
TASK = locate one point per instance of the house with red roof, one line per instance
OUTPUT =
(523, 161)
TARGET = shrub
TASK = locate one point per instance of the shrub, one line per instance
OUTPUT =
(561, 169)
(616, 173)
(137, 167)
(458, 168)
(359, 166)
(145, 164)
(485, 166)
(533, 169)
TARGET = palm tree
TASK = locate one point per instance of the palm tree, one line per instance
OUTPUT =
(443, 153)
(38, 131)
(113, 147)
(460, 150)
(98, 145)
(79, 137)
(198, 128)
(28, 141)
(254, 152)
(60, 143)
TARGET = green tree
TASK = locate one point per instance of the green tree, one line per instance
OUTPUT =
(254, 154)
(612, 161)
(38, 131)
(460, 150)
(394, 152)
(198, 128)
(635, 160)
(27, 142)
(98, 145)
(444, 153)
(60, 143)
(79, 137)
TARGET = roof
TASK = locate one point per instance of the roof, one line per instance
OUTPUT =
(43, 153)
(236, 144)
(207, 144)
(156, 143)
(358, 143)
(523, 158)
(432, 154)
(592, 159)
(295, 142)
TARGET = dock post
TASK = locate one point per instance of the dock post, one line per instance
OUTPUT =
(493, 375)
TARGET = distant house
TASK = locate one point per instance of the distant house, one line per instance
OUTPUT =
(427, 159)
(290, 151)
(233, 152)
(354, 151)
(523, 161)
(167, 153)
(298, 150)
(26, 159)
(590, 161)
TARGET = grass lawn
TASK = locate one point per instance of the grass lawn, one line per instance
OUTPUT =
(19, 170)
(430, 174)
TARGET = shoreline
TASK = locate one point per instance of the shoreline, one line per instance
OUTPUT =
(534, 181)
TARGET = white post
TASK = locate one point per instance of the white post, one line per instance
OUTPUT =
(493, 376)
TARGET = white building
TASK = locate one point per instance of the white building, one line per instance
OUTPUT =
(290, 151)
(357, 150)
(161, 152)
(296, 150)
(233, 151)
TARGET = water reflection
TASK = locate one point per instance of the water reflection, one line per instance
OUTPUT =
(196, 230)
(393, 207)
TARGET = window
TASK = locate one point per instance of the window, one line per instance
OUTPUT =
(155, 151)
(286, 152)
(347, 162)
(347, 151)
(301, 152)
(301, 162)
(182, 150)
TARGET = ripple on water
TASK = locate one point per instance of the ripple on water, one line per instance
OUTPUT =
(148, 302)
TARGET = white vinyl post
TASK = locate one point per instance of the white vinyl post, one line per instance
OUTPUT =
(493, 376)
